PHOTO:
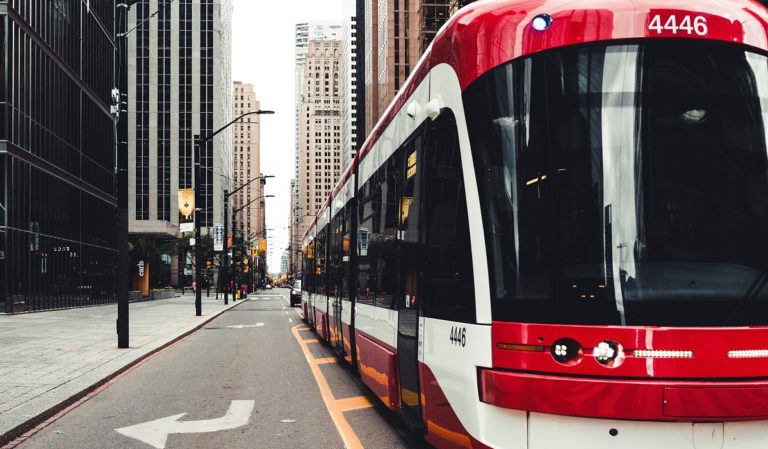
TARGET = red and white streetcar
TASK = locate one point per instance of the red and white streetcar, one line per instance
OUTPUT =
(557, 235)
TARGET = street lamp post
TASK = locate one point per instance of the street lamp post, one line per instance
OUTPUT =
(234, 217)
(234, 227)
(199, 141)
(120, 121)
(225, 259)
(258, 265)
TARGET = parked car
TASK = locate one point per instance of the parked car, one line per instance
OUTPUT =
(296, 294)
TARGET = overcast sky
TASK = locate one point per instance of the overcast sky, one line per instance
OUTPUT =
(263, 55)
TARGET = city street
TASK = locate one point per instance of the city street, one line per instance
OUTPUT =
(241, 381)
(348, 224)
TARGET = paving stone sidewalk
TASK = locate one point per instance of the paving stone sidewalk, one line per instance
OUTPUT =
(48, 358)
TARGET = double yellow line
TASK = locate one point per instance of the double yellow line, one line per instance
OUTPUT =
(336, 407)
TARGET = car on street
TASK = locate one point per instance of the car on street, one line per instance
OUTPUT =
(296, 294)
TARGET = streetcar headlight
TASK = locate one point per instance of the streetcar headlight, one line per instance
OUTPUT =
(541, 22)
(608, 353)
(566, 351)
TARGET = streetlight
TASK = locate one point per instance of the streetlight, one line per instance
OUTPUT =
(120, 124)
(228, 194)
(234, 218)
(255, 260)
(199, 141)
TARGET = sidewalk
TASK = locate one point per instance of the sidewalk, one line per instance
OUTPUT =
(51, 359)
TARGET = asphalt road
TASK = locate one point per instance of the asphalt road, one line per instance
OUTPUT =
(243, 381)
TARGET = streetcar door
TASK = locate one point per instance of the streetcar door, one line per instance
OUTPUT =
(409, 208)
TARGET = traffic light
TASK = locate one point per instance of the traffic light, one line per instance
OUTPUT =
(209, 264)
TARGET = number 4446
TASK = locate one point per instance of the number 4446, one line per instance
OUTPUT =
(683, 24)
(459, 336)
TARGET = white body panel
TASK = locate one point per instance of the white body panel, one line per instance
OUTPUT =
(385, 328)
(377, 322)
(331, 311)
(321, 303)
(549, 431)
(365, 318)
(346, 311)
(455, 369)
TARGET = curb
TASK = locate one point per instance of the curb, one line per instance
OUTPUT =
(30, 427)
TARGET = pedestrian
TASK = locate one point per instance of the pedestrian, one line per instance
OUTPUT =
(194, 287)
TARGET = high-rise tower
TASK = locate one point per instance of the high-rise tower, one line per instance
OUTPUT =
(247, 166)
(179, 85)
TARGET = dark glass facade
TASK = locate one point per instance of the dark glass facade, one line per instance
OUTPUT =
(206, 106)
(186, 143)
(142, 115)
(57, 197)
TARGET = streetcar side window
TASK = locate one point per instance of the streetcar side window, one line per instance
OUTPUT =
(337, 266)
(378, 218)
(367, 207)
(321, 268)
(388, 241)
(388, 248)
(448, 282)
(370, 265)
(409, 219)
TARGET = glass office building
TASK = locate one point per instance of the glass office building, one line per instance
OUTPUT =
(57, 189)
(179, 85)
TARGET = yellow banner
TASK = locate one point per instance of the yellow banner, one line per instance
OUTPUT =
(263, 246)
(186, 204)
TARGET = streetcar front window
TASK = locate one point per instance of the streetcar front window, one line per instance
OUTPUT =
(625, 184)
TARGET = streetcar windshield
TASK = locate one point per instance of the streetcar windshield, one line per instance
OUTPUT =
(625, 184)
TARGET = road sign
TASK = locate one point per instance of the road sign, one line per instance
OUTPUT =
(218, 237)
(186, 227)
(155, 433)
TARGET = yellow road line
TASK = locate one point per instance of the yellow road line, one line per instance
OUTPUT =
(311, 340)
(355, 403)
(351, 441)
(326, 360)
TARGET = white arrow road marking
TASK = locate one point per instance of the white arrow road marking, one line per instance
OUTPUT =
(155, 433)
(241, 326)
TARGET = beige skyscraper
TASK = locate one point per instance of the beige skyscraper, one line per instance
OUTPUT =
(320, 122)
(246, 165)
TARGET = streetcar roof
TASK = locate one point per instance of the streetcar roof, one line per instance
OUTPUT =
(489, 33)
